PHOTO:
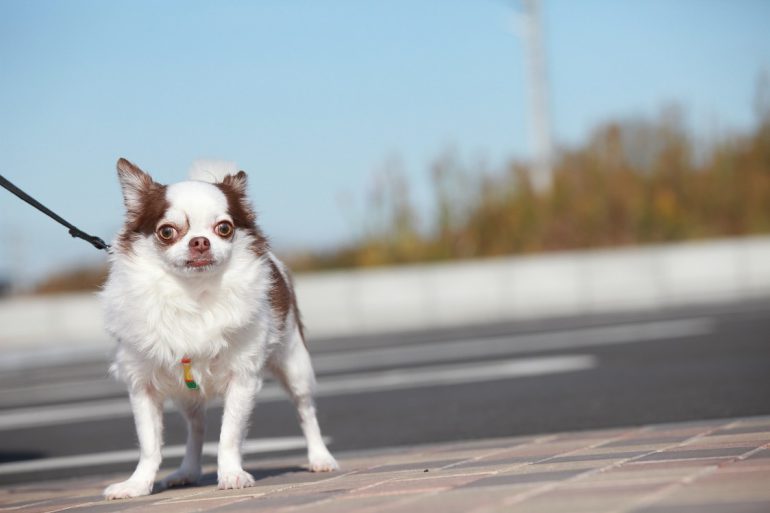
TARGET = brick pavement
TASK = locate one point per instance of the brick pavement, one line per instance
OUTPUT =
(698, 467)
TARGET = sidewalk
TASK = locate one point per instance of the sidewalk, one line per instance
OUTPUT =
(704, 467)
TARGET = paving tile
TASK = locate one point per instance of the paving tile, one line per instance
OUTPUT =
(742, 429)
(721, 486)
(584, 466)
(345, 484)
(11, 502)
(349, 504)
(581, 500)
(410, 486)
(760, 455)
(595, 436)
(685, 464)
(532, 453)
(414, 466)
(269, 503)
(648, 440)
(595, 457)
(463, 500)
(522, 478)
(211, 493)
(283, 475)
(691, 425)
(665, 470)
(186, 492)
(627, 478)
(725, 507)
(532, 474)
(610, 487)
(746, 466)
(493, 463)
(71, 503)
(725, 452)
(389, 457)
(38, 506)
(189, 506)
(469, 455)
(716, 443)
(475, 445)
(759, 420)
(136, 505)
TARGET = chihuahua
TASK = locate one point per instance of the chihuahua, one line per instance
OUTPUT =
(200, 308)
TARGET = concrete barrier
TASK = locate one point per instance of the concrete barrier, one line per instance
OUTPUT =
(457, 293)
(452, 294)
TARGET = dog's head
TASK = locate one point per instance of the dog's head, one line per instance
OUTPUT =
(192, 226)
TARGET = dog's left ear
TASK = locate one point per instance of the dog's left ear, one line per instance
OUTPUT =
(238, 182)
(234, 187)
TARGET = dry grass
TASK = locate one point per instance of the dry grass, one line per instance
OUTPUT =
(633, 183)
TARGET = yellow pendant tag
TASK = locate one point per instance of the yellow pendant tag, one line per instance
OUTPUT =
(188, 378)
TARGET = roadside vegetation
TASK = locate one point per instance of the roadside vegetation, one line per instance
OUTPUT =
(636, 182)
(632, 182)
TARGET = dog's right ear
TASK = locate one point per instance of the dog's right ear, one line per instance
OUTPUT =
(134, 182)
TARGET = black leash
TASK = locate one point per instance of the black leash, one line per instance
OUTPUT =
(73, 230)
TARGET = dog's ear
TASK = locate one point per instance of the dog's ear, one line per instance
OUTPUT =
(134, 182)
(234, 187)
(237, 182)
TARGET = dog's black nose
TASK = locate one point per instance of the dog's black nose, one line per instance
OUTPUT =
(199, 245)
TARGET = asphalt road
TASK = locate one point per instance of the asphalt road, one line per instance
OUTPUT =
(475, 382)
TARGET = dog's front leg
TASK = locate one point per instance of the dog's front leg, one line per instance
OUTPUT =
(239, 400)
(147, 406)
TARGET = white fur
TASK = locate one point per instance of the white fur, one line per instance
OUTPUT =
(222, 319)
(211, 171)
(198, 207)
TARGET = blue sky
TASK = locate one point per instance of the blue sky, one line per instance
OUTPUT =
(311, 98)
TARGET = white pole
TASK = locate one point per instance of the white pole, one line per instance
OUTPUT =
(540, 126)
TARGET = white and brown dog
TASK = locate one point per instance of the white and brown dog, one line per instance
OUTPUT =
(200, 307)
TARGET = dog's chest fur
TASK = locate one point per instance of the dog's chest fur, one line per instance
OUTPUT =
(223, 322)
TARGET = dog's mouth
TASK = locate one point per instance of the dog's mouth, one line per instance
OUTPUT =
(199, 263)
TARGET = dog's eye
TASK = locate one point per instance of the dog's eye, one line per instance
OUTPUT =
(224, 229)
(166, 232)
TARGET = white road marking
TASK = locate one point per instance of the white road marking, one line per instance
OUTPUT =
(440, 375)
(254, 446)
(62, 391)
(513, 344)
(63, 413)
(436, 375)
(433, 352)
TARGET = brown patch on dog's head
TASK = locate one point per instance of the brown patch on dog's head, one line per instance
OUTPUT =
(145, 202)
(234, 189)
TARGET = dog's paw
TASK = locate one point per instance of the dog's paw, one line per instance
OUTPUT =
(323, 462)
(181, 477)
(127, 489)
(234, 479)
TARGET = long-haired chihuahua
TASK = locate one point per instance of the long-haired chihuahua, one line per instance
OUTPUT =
(200, 308)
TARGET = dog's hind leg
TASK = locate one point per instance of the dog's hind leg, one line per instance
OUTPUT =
(194, 412)
(292, 367)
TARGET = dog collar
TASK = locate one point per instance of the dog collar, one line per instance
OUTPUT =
(188, 379)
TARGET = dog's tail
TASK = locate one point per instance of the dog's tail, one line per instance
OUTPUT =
(212, 171)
